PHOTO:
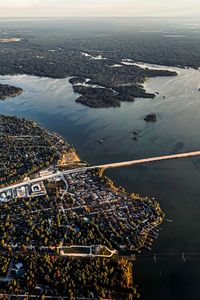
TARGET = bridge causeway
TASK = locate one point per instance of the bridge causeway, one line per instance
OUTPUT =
(149, 160)
(105, 166)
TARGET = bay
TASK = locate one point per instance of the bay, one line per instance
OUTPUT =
(169, 274)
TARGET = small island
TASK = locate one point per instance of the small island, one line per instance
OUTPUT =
(7, 91)
(96, 97)
(151, 118)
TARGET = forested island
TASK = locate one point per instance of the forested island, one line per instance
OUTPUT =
(7, 91)
(122, 83)
(99, 57)
(101, 97)
(152, 118)
(96, 97)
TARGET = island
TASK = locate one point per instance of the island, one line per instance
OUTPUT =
(151, 118)
(96, 97)
(72, 232)
(7, 91)
(88, 71)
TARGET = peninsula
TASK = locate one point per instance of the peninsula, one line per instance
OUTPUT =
(64, 214)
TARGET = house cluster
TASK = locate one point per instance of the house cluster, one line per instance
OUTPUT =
(25, 191)
(26, 148)
(85, 210)
(124, 221)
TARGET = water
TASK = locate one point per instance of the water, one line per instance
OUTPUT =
(175, 184)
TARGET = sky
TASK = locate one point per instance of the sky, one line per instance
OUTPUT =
(99, 8)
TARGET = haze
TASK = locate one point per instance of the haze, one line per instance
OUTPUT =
(99, 8)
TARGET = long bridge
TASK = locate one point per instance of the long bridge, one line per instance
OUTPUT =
(148, 160)
(105, 166)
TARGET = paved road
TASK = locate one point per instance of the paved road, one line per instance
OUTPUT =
(105, 166)
(31, 181)
(148, 160)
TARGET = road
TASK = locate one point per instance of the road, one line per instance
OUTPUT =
(37, 179)
(105, 166)
(148, 160)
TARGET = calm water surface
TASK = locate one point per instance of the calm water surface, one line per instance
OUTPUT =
(175, 184)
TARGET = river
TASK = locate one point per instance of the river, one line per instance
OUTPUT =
(175, 184)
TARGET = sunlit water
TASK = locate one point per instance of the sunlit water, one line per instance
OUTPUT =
(175, 184)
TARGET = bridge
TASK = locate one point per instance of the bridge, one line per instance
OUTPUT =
(105, 166)
(169, 257)
(148, 160)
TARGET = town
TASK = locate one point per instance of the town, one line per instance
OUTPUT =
(25, 148)
(80, 208)
(56, 208)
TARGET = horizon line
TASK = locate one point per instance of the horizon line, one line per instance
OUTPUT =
(98, 17)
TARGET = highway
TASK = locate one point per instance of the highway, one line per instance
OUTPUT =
(105, 166)
(37, 179)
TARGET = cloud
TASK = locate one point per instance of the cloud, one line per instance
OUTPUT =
(99, 8)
